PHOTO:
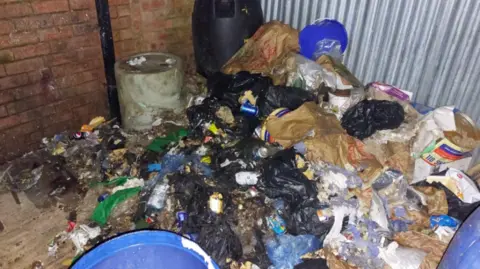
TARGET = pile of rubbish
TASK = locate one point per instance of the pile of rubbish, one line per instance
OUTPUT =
(286, 162)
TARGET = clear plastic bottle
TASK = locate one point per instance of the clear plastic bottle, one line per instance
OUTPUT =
(158, 198)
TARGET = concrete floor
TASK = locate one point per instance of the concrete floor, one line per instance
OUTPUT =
(27, 232)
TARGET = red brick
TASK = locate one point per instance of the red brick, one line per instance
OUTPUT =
(81, 29)
(74, 17)
(22, 38)
(24, 66)
(49, 6)
(27, 91)
(38, 113)
(25, 128)
(6, 56)
(59, 58)
(31, 51)
(6, 96)
(58, 127)
(36, 136)
(61, 32)
(33, 22)
(82, 4)
(6, 27)
(125, 45)
(121, 23)
(3, 111)
(123, 10)
(89, 52)
(15, 10)
(57, 117)
(76, 79)
(118, 2)
(113, 12)
(83, 88)
(2, 71)
(68, 69)
(25, 104)
(13, 81)
(12, 121)
(74, 43)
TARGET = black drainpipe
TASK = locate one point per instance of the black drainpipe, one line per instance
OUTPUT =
(106, 37)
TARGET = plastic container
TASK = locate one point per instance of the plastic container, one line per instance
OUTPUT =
(146, 250)
(220, 28)
(462, 253)
(322, 30)
(148, 84)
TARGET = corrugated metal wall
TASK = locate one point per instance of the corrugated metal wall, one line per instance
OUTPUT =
(430, 47)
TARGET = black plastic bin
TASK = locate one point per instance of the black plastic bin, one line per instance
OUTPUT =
(220, 28)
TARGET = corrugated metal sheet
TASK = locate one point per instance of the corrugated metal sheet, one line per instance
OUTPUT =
(430, 47)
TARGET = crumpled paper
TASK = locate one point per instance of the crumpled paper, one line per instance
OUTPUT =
(434, 247)
(265, 50)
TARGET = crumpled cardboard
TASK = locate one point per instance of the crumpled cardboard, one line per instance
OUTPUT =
(434, 247)
(332, 261)
(436, 200)
(344, 151)
(267, 48)
(294, 126)
(410, 112)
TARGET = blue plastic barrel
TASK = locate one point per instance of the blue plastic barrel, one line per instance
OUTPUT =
(147, 250)
(464, 249)
(322, 30)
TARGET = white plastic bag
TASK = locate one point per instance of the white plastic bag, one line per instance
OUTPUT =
(402, 258)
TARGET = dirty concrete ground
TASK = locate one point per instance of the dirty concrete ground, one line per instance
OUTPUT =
(27, 232)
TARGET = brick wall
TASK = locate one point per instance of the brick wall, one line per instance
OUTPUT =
(51, 69)
(153, 25)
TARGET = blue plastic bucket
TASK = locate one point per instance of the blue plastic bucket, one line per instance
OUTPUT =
(463, 251)
(320, 30)
(147, 250)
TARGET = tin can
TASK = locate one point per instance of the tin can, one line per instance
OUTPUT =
(102, 197)
(216, 203)
(264, 134)
(249, 109)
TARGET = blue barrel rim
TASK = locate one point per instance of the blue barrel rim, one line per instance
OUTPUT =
(110, 247)
(344, 42)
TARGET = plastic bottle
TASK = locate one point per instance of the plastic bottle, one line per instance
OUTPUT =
(157, 199)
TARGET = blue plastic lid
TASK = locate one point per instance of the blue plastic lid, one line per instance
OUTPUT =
(323, 30)
(146, 249)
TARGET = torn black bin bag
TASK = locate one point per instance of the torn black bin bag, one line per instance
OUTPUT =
(368, 116)
(312, 264)
(200, 114)
(281, 96)
(282, 179)
(304, 219)
(220, 242)
(227, 89)
(456, 207)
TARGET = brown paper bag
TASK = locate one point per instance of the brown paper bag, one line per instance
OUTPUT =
(268, 48)
(436, 200)
(344, 151)
(294, 126)
(434, 247)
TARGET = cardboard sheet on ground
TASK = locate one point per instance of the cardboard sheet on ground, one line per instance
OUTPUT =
(294, 126)
(344, 151)
(269, 46)
(434, 247)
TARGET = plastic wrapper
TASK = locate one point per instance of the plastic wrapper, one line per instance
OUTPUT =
(402, 258)
(285, 251)
(307, 74)
(369, 116)
(282, 179)
(335, 181)
(432, 246)
(282, 97)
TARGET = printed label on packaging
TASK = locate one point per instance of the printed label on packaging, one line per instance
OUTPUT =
(444, 152)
